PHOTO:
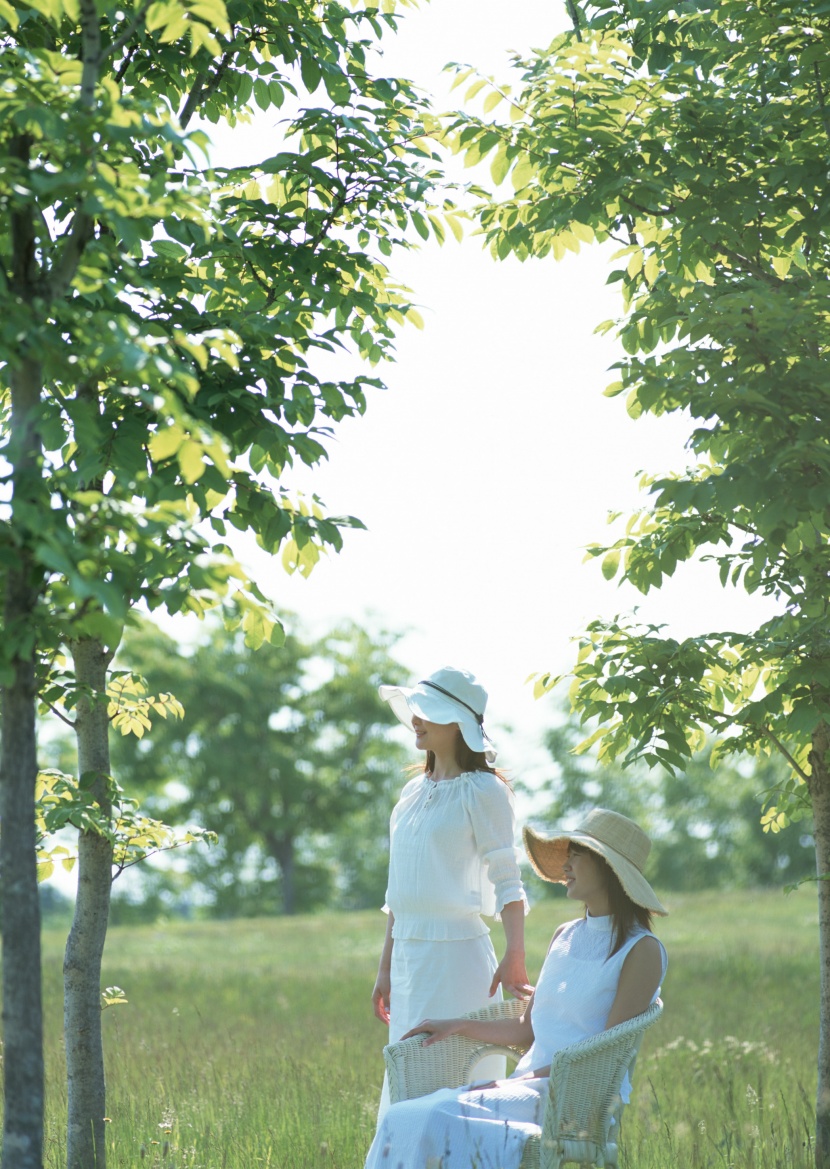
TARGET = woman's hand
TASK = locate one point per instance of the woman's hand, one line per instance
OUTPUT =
(436, 1029)
(381, 996)
(511, 973)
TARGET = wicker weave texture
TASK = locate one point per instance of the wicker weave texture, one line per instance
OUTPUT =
(415, 1070)
(585, 1083)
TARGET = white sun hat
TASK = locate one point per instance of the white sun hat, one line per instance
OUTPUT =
(447, 696)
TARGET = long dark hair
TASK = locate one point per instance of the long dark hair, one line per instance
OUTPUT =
(624, 911)
(466, 758)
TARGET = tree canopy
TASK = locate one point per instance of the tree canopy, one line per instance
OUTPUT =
(703, 821)
(162, 321)
(172, 309)
(695, 137)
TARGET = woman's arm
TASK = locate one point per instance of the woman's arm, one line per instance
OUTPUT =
(511, 972)
(382, 991)
(639, 978)
(516, 1032)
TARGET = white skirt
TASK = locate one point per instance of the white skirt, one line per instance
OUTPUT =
(441, 980)
(460, 1130)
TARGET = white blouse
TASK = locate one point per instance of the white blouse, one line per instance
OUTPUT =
(452, 857)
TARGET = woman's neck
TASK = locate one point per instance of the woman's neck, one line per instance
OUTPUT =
(444, 767)
(598, 906)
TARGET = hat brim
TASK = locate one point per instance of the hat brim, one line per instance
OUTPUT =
(434, 707)
(548, 856)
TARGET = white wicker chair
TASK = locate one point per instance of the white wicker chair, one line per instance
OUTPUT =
(585, 1082)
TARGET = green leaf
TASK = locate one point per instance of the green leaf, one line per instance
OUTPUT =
(165, 443)
(191, 461)
(9, 15)
(310, 71)
(262, 94)
(611, 564)
(492, 100)
(420, 224)
(500, 165)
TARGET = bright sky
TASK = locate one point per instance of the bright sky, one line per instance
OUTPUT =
(493, 458)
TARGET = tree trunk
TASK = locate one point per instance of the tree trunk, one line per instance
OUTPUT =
(820, 794)
(22, 1006)
(85, 1144)
(283, 850)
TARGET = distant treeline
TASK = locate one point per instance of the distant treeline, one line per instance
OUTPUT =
(286, 753)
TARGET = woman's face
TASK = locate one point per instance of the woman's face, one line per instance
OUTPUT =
(438, 737)
(584, 876)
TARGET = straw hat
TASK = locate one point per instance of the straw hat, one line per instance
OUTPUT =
(447, 696)
(618, 840)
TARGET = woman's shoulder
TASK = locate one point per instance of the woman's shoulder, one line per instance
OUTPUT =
(646, 942)
(646, 958)
(565, 928)
(412, 785)
(642, 949)
(640, 933)
(486, 783)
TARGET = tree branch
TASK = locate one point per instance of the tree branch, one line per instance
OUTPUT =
(125, 64)
(83, 226)
(120, 866)
(119, 43)
(90, 52)
(202, 88)
(69, 722)
(821, 103)
(189, 107)
(779, 746)
(221, 69)
(24, 265)
(573, 12)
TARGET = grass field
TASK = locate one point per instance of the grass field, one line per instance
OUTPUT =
(252, 1043)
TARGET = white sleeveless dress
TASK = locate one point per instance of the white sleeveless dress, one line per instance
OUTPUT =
(487, 1129)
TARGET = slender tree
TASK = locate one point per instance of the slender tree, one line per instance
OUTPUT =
(696, 137)
(161, 325)
(23, 1051)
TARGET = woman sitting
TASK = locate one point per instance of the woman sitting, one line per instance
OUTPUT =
(600, 970)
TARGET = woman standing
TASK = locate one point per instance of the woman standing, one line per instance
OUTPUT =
(600, 970)
(451, 859)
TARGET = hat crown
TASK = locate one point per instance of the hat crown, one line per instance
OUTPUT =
(619, 833)
(461, 685)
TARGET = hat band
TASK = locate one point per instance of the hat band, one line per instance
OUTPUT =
(478, 717)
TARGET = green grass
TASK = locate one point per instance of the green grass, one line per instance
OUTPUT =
(252, 1043)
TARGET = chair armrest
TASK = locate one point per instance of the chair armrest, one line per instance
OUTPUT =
(414, 1070)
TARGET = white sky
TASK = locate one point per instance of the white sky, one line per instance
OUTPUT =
(493, 458)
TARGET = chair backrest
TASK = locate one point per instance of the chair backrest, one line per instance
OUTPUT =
(585, 1084)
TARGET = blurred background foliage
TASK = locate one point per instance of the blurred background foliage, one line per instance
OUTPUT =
(705, 822)
(290, 757)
